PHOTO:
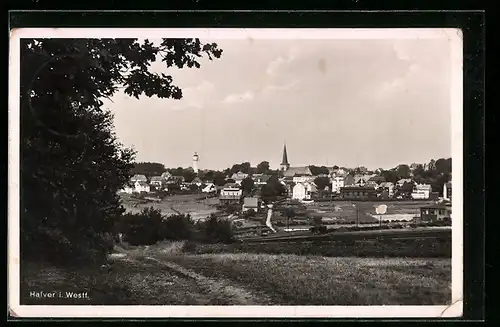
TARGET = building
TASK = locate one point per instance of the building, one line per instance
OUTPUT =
(284, 160)
(260, 179)
(389, 187)
(447, 191)
(239, 177)
(298, 174)
(138, 178)
(421, 192)
(349, 181)
(304, 191)
(337, 183)
(358, 193)
(195, 162)
(209, 188)
(157, 182)
(435, 212)
(403, 181)
(141, 186)
(231, 193)
(166, 175)
(250, 203)
(197, 181)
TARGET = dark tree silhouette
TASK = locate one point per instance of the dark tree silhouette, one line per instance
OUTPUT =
(72, 163)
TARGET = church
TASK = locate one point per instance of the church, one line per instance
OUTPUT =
(295, 174)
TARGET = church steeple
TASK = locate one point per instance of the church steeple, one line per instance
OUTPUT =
(284, 161)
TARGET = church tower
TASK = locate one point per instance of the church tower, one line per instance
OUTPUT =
(195, 162)
(284, 162)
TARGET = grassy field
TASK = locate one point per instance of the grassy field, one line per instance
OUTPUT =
(130, 282)
(192, 204)
(310, 280)
(413, 248)
(165, 274)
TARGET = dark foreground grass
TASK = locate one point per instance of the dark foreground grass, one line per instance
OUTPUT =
(128, 282)
(412, 248)
(310, 280)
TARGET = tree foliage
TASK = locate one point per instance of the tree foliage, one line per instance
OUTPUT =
(247, 185)
(322, 182)
(272, 190)
(263, 167)
(72, 164)
(148, 169)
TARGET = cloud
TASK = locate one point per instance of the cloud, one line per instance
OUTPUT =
(284, 87)
(235, 98)
(395, 85)
(195, 96)
(402, 51)
(275, 64)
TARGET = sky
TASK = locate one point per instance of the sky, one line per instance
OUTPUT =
(349, 102)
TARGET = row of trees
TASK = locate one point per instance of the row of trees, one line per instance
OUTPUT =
(150, 226)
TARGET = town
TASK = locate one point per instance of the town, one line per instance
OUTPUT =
(415, 193)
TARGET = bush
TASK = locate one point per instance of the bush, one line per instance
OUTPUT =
(216, 230)
(177, 227)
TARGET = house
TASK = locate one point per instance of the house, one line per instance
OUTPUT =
(197, 181)
(250, 203)
(304, 191)
(231, 193)
(377, 180)
(349, 181)
(209, 188)
(402, 181)
(260, 179)
(298, 171)
(337, 183)
(389, 187)
(157, 182)
(239, 177)
(127, 189)
(141, 186)
(166, 175)
(175, 180)
(299, 174)
(435, 212)
(421, 191)
(358, 193)
(447, 191)
(138, 178)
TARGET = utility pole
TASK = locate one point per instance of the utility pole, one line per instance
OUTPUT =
(357, 216)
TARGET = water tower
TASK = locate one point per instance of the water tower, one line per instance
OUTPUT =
(195, 162)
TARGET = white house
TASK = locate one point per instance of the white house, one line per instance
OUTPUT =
(209, 188)
(303, 191)
(337, 183)
(239, 177)
(138, 178)
(421, 191)
(141, 187)
(231, 191)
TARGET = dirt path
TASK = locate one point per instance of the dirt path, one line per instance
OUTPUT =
(211, 290)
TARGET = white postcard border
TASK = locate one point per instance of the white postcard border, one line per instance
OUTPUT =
(456, 93)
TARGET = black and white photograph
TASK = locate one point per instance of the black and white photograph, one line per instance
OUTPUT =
(235, 172)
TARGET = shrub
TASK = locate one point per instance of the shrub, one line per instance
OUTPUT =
(216, 230)
(177, 227)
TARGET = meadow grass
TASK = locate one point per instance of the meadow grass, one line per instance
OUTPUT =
(313, 280)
